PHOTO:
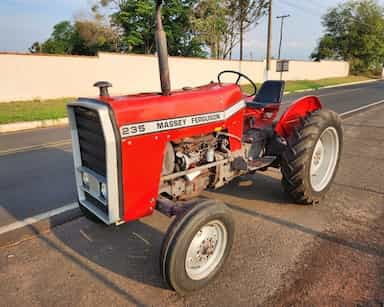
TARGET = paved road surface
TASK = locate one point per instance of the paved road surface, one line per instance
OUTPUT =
(36, 166)
(283, 255)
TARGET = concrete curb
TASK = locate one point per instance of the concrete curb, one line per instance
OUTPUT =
(33, 125)
(64, 121)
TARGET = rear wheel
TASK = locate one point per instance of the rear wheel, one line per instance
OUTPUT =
(196, 246)
(311, 159)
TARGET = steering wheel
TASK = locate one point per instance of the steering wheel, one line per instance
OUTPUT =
(240, 75)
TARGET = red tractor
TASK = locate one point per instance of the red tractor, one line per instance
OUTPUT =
(158, 151)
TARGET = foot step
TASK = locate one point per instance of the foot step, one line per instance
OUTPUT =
(260, 163)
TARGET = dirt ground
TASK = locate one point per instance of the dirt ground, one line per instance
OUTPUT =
(345, 267)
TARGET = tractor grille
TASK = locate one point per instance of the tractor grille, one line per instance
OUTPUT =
(91, 140)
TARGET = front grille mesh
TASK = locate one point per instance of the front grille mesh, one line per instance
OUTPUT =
(91, 140)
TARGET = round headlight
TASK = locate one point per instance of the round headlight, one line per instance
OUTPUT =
(103, 190)
(85, 179)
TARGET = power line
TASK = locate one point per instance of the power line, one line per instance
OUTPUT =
(301, 8)
(311, 12)
(317, 4)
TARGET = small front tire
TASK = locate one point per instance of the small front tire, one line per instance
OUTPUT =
(196, 246)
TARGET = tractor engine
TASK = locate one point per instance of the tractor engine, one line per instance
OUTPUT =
(194, 151)
(186, 154)
(180, 182)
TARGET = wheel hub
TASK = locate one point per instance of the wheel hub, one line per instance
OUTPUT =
(324, 159)
(206, 250)
(318, 154)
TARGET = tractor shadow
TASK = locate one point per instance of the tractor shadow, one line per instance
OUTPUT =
(259, 187)
(43, 177)
(131, 250)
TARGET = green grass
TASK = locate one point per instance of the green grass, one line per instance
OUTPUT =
(293, 86)
(20, 111)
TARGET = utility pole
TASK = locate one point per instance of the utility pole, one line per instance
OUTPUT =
(281, 31)
(241, 30)
(281, 38)
(269, 42)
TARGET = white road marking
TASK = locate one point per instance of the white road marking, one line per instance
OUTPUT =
(37, 218)
(85, 235)
(141, 238)
(324, 95)
(361, 108)
(34, 147)
(341, 92)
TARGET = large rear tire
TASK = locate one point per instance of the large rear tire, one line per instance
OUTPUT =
(310, 162)
(196, 246)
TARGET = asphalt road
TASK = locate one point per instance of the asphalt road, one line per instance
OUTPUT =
(330, 254)
(36, 166)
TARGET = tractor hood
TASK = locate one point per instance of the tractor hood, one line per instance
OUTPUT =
(146, 107)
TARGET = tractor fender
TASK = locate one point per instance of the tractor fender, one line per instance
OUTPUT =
(292, 116)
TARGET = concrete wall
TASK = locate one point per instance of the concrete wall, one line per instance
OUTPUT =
(45, 76)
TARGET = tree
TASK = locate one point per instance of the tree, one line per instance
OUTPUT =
(210, 24)
(35, 48)
(94, 36)
(222, 24)
(136, 20)
(354, 32)
(61, 40)
(246, 13)
(84, 37)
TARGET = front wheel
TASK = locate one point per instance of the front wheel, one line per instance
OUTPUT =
(310, 162)
(196, 246)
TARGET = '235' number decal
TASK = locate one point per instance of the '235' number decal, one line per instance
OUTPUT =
(133, 129)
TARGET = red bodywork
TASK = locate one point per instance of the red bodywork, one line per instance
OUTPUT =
(142, 156)
(291, 117)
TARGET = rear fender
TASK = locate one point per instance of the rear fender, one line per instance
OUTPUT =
(291, 117)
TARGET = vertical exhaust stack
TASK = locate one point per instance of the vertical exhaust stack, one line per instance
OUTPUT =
(162, 52)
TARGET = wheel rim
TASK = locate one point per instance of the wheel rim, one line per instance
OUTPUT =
(324, 159)
(206, 250)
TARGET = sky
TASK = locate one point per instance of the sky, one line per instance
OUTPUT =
(23, 22)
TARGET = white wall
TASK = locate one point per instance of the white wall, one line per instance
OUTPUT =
(26, 77)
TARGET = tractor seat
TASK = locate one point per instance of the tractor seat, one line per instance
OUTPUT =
(271, 92)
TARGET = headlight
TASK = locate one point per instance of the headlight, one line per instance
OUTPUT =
(103, 190)
(85, 179)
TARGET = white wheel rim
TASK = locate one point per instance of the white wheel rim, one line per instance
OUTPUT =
(206, 250)
(324, 159)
